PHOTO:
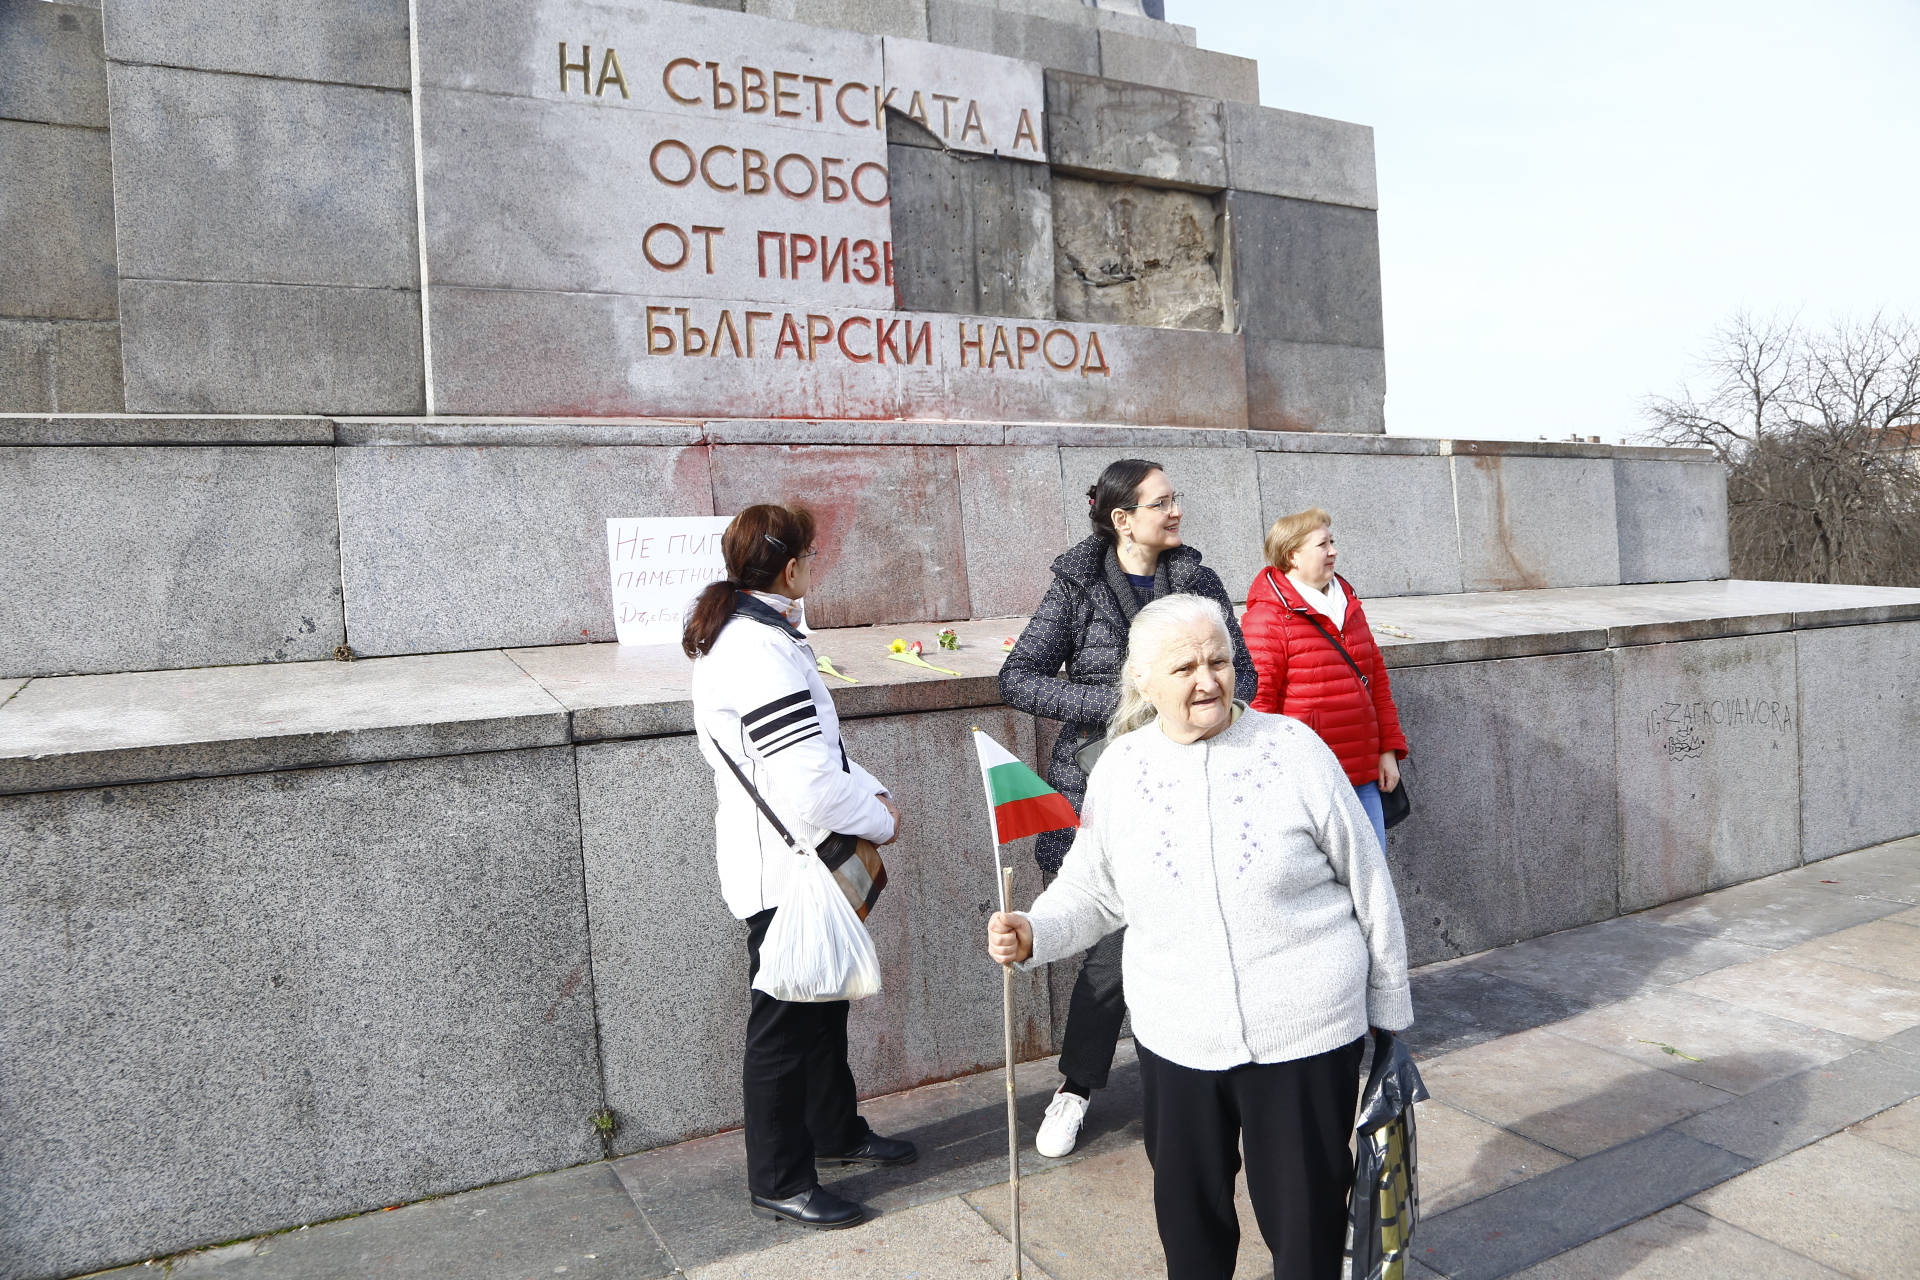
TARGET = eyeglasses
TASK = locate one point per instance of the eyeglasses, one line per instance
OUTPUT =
(1164, 505)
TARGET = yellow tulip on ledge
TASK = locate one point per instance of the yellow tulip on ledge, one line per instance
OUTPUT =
(908, 651)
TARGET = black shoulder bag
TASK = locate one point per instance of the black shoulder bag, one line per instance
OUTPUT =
(1395, 805)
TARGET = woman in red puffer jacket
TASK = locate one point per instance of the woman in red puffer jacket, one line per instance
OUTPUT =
(1302, 673)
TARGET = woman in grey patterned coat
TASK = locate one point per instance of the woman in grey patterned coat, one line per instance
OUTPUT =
(1066, 666)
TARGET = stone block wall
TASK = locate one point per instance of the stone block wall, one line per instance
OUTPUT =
(379, 974)
(1854, 769)
(158, 543)
(1667, 518)
(150, 556)
(407, 924)
(1307, 277)
(1709, 744)
(264, 212)
(412, 519)
(243, 238)
(1409, 546)
(407, 978)
(1621, 775)
(973, 234)
(1525, 801)
(1524, 524)
(59, 309)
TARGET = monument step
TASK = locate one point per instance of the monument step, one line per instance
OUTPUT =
(110, 429)
(85, 731)
(183, 541)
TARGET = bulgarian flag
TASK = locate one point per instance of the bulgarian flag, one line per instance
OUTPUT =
(1023, 805)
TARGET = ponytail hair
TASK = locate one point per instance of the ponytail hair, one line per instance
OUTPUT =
(1152, 627)
(758, 545)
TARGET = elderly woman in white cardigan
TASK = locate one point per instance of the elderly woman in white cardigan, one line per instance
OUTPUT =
(1263, 940)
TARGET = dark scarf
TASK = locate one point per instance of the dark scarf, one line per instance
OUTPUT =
(1122, 586)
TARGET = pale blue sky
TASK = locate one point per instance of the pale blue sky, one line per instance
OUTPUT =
(1573, 196)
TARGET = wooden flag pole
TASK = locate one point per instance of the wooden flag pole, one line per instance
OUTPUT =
(1013, 1113)
(1004, 875)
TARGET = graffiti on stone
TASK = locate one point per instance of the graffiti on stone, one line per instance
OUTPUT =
(1683, 731)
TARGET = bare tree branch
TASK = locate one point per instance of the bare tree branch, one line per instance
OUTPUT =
(1817, 430)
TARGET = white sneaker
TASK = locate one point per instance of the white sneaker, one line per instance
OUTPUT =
(1061, 1129)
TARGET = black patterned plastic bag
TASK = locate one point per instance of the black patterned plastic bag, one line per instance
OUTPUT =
(1385, 1206)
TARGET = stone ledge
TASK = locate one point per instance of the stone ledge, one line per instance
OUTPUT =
(1863, 615)
(1344, 442)
(1660, 453)
(1432, 653)
(781, 431)
(1571, 449)
(641, 691)
(57, 429)
(1480, 625)
(406, 432)
(1070, 434)
(64, 732)
(64, 429)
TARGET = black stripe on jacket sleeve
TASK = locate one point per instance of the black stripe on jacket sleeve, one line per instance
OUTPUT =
(775, 707)
(767, 729)
(813, 731)
(788, 736)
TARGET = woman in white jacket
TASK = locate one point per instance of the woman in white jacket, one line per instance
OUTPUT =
(1263, 938)
(758, 697)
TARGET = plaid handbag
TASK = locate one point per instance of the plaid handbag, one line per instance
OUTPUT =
(855, 863)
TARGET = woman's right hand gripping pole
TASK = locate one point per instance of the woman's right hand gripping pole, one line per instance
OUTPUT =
(1009, 937)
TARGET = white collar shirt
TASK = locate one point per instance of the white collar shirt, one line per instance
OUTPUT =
(1331, 603)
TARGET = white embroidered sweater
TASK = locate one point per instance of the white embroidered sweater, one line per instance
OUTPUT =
(1262, 924)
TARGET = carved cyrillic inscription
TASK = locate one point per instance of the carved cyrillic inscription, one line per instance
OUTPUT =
(857, 261)
(971, 101)
(860, 339)
(610, 73)
(1061, 349)
(748, 334)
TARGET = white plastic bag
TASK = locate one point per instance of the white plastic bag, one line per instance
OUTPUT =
(816, 948)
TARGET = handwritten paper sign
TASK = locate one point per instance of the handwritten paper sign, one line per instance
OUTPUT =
(659, 564)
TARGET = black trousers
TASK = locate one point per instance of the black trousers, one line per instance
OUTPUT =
(1294, 1120)
(796, 1084)
(1094, 1014)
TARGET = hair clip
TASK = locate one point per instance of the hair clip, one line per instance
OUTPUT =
(777, 544)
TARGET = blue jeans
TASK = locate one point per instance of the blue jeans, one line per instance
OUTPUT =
(1369, 794)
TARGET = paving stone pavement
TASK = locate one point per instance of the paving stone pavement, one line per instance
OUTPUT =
(1727, 1086)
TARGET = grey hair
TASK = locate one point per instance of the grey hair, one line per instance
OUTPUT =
(1152, 627)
